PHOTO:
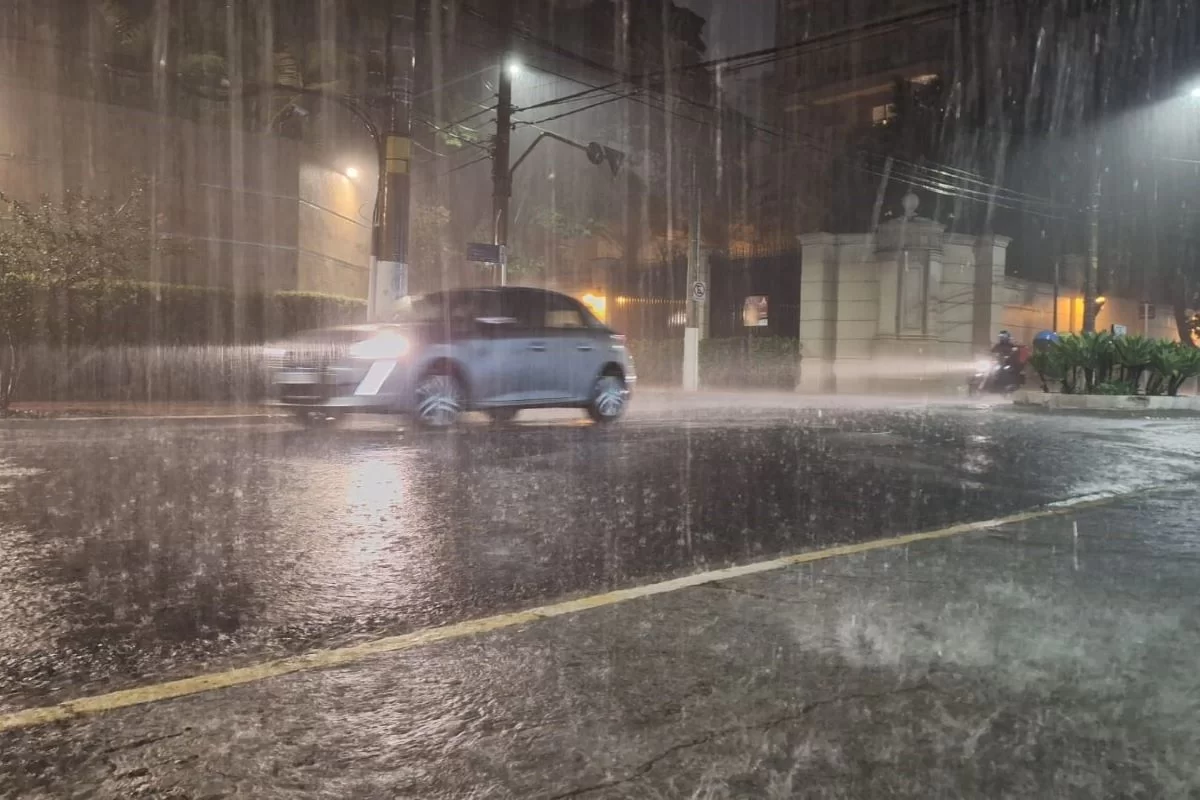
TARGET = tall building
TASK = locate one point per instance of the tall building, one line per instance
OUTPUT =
(836, 82)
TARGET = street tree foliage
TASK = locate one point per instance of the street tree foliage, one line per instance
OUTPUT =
(52, 247)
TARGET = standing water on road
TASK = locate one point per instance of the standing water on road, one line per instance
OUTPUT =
(493, 385)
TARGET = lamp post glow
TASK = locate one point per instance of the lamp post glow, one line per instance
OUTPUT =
(1194, 93)
(352, 173)
(513, 67)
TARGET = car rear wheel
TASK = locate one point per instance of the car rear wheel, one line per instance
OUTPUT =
(503, 416)
(438, 399)
(610, 396)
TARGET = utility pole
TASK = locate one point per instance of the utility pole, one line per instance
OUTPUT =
(691, 331)
(501, 174)
(1092, 264)
(1054, 323)
(389, 278)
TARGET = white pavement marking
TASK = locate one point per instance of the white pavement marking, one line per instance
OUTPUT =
(324, 659)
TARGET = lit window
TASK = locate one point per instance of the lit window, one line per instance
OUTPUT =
(883, 114)
(754, 311)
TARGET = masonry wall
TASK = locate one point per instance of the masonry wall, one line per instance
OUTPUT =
(1029, 309)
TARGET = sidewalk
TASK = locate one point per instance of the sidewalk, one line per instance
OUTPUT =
(1047, 658)
(114, 408)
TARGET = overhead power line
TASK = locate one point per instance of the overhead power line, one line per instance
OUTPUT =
(940, 179)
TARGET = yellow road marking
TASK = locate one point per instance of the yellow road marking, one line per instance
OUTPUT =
(324, 659)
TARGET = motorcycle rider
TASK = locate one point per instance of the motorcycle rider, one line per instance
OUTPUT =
(1006, 350)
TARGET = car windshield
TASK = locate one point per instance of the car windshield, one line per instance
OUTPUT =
(599, 399)
(419, 309)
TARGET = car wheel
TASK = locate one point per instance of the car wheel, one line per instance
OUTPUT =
(610, 396)
(317, 418)
(503, 416)
(438, 400)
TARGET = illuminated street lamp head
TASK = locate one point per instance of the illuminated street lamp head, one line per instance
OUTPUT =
(351, 172)
(514, 67)
(1194, 93)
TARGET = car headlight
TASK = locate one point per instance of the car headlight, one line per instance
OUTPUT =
(384, 347)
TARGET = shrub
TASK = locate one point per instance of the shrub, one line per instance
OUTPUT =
(758, 362)
(1133, 354)
(1086, 364)
(1098, 351)
(1046, 367)
(1116, 388)
(99, 314)
(1171, 364)
(1067, 358)
(137, 313)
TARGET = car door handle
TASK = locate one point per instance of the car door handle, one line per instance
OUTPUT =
(585, 347)
(538, 348)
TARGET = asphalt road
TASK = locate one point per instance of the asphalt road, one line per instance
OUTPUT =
(137, 551)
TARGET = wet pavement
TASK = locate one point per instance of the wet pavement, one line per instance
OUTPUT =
(1052, 657)
(141, 550)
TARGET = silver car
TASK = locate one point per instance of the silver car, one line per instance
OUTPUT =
(497, 350)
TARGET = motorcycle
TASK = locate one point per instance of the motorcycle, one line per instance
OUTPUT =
(996, 375)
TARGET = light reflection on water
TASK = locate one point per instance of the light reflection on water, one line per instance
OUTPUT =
(362, 528)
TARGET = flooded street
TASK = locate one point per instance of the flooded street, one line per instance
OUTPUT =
(650, 399)
(230, 543)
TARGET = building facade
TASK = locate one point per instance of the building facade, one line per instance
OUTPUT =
(253, 211)
(841, 65)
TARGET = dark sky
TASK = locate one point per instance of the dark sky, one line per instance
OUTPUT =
(738, 26)
(735, 26)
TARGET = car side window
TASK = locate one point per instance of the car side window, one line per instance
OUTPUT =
(527, 308)
(563, 312)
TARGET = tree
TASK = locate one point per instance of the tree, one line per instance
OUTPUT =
(49, 253)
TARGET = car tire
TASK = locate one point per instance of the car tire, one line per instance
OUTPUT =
(317, 418)
(502, 416)
(438, 399)
(610, 396)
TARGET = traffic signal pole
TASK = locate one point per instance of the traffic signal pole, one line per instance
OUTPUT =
(389, 278)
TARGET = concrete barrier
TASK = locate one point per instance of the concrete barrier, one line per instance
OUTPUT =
(1103, 402)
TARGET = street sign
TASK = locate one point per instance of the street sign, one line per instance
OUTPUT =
(486, 253)
(1119, 330)
(699, 291)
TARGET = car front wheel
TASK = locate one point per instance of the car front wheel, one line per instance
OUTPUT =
(610, 396)
(438, 400)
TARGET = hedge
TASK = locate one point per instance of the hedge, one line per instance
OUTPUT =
(135, 313)
(762, 362)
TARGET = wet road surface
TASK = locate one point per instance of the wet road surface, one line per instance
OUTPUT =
(1052, 657)
(138, 551)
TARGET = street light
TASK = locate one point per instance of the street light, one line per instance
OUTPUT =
(352, 173)
(513, 67)
(1194, 93)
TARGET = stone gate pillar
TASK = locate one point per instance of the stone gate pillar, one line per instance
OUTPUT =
(819, 259)
(908, 257)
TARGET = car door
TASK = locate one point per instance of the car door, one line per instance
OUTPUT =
(493, 346)
(530, 352)
(575, 342)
